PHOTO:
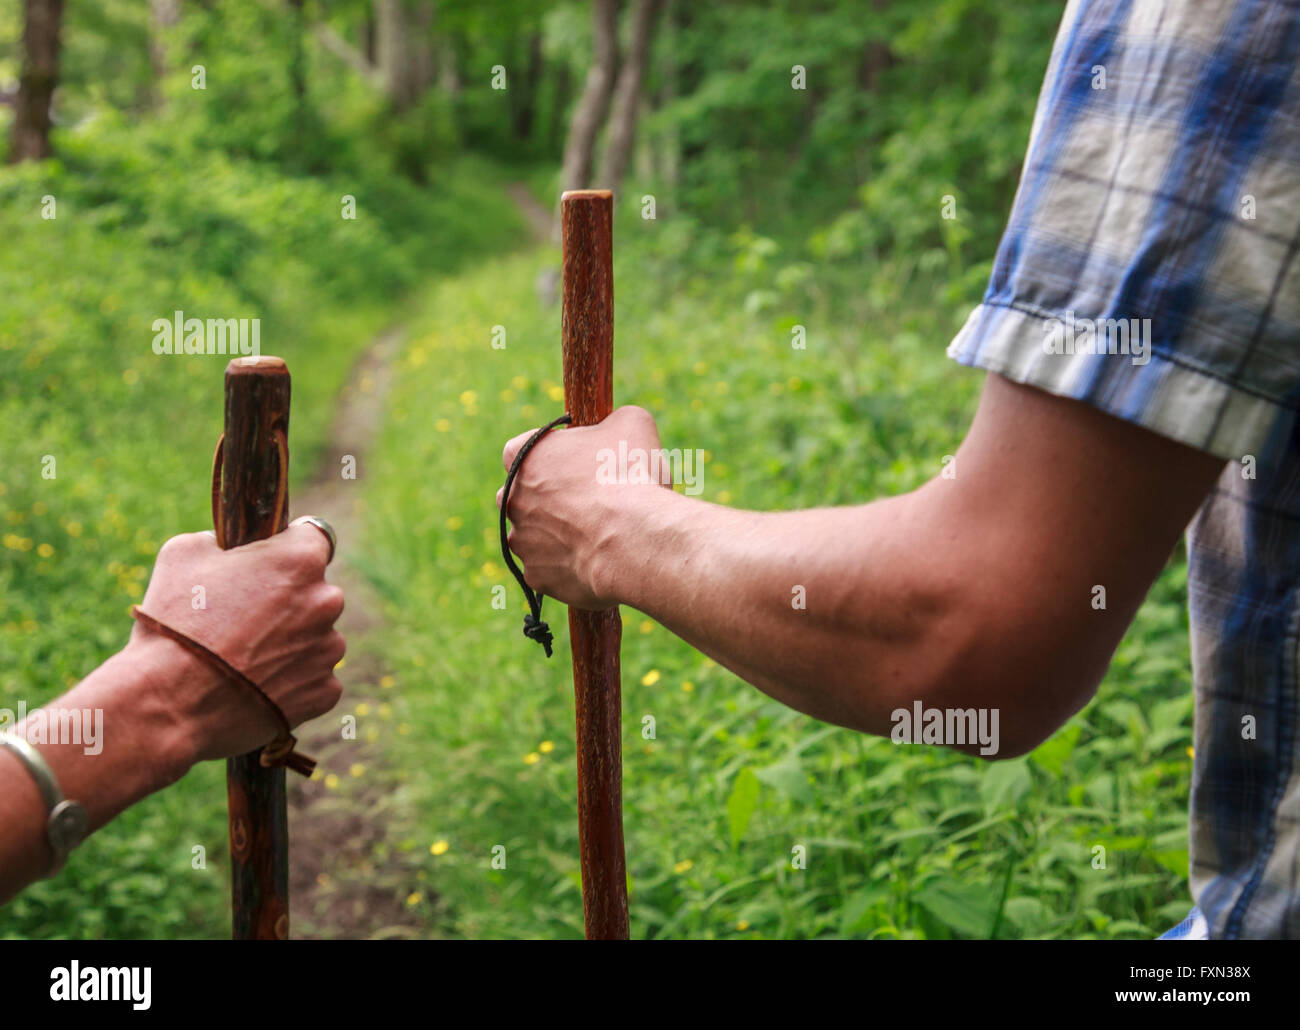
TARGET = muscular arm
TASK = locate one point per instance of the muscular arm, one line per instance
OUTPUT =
(973, 591)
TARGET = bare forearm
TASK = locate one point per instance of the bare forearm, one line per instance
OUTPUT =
(833, 611)
(154, 709)
(1003, 584)
(135, 747)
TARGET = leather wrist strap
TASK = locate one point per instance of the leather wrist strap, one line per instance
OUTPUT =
(281, 750)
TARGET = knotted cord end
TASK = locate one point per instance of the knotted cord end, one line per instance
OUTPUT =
(282, 752)
(536, 629)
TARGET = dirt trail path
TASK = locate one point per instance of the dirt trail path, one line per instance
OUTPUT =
(539, 219)
(336, 889)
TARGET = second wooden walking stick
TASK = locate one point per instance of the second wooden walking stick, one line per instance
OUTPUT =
(250, 501)
(587, 336)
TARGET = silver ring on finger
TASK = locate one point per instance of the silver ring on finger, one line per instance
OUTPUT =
(323, 526)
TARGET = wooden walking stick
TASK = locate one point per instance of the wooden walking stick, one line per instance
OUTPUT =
(587, 337)
(250, 501)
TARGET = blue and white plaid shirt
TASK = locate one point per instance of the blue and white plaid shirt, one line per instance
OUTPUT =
(1150, 269)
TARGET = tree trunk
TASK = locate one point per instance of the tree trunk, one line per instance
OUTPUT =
(525, 110)
(298, 82)
(40, 76)
(667, 148)
(420, 49)
(404, 49)
(368, 33)
(593, 106)
(358, 58)
(627, 97)
(689, 76)
(448, 76)
(560, 93)
(163, 16)
(298, 61)
(394, 56)
(876, 59)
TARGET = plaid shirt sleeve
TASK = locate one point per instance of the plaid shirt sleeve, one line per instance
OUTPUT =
(1149, 269)
(1149, 265)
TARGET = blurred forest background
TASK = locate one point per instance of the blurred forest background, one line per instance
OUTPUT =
(777, 163)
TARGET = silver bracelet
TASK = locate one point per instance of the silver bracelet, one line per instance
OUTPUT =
(67, 822)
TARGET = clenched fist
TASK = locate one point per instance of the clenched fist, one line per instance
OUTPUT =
(266, 610)
(568, 503)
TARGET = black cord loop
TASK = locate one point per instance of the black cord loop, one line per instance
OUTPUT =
(534, 627)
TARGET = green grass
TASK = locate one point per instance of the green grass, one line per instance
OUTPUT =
(899, 841)
(476, 732)
(144, 227)
(226, 203)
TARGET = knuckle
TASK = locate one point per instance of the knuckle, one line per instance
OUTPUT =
(636, 413)
(168, 552)
(281, 547)
(178, 547)
(336, 646)
(301, 543)
(513, 446)
(636, 422)
(307, 550)
(325, 694)
(519, 504)
(331, 602)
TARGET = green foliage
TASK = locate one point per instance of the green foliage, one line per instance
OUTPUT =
(778, 208)
(742, 802)
(149, 222)
(910, 101)
(901, 841)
